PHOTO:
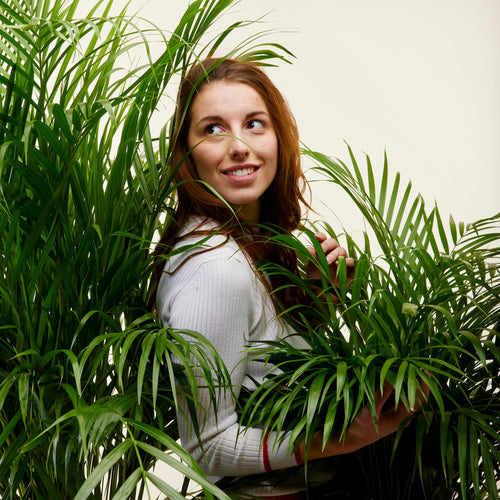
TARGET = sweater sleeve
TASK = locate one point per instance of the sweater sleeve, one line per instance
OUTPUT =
(217, 298)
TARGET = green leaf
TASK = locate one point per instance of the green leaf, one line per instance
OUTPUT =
(99, 472)
(489, 470)
(314, 396)
(462, 452)
(128, 486)
(23, 384)
(197, 476)
(410, 309)
(341, 377)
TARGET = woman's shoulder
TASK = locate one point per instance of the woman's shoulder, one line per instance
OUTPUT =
(203, 242)
(205, 258)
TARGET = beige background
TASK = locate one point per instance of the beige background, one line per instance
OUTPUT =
(419, 79)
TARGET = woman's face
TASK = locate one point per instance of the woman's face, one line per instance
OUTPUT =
(234, 144)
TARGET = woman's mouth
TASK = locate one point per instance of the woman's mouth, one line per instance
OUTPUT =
(241, 172)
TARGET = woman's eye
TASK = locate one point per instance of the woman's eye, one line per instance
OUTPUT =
(255, 124)
(213, 130)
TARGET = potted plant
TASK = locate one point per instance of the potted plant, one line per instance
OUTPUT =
(87, 398)
(423, 309)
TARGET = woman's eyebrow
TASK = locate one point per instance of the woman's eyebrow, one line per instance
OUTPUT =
(256, 113)
(210, 118)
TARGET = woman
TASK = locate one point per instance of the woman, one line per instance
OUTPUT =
(235, 134)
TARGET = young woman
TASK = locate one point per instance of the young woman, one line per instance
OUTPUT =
(236, 151)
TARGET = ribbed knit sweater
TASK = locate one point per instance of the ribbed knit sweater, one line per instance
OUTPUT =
(218, 294)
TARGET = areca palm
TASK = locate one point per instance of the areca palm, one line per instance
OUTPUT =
(87, 398)
(423, 309)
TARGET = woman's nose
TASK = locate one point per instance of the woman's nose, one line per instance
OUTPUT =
(238, 148)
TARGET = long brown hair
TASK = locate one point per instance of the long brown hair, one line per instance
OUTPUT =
(280, 204)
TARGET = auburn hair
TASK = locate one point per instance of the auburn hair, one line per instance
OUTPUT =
(280, 204)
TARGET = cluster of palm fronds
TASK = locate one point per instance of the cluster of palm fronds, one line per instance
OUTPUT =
(87, 400)
(423, 308)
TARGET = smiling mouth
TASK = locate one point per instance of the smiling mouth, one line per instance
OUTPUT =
(241, 172)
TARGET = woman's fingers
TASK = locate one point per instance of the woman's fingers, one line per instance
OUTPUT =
(385, 405)
(321, 237)
(330, 247)
(333, 253)
(333, 250)
(333, 256)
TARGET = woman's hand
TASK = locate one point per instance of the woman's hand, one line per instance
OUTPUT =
(363, 431)
(333, 252)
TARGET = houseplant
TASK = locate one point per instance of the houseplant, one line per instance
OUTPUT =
(87, 399)
(423, 309)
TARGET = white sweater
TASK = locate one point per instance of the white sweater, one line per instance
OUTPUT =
(218, 294)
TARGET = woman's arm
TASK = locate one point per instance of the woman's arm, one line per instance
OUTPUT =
(363, 432)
